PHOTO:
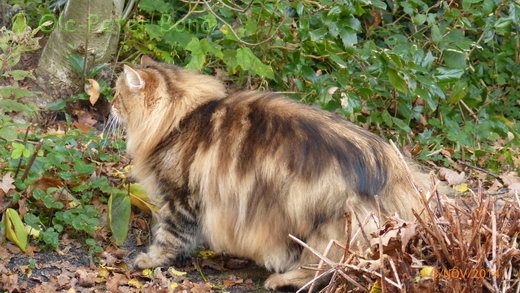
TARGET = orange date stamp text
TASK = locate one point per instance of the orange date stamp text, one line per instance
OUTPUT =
(458, 273)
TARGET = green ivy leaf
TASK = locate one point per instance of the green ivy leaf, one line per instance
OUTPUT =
(119, 215)
(198, 56)
(318, 34)
(97, 69)
(436, 34)
(397, 81)
(19, 150)
(387, 118)
(13, 91)
(454, 58)
(14, 106)
(348, 37)
(51, 237)
(84, 168)
(8, 133)
(247, 60)
(211, 47)
(459, 92)
(419, 19)
(426, 96)
(154, 5)
(57, 105)
(178, 37)
(77, 62)
(402, 125)
(446, 75)
(18, 74)
(379, 4)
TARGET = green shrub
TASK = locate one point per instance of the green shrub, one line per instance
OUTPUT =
(444, 76)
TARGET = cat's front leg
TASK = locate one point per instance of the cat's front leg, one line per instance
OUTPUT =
(175, 235)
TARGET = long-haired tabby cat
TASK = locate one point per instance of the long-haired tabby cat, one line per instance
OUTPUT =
(242, 171)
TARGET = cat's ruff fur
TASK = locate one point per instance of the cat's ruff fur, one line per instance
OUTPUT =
(242, 171)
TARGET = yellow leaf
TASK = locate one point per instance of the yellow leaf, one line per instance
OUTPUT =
(35, 233)
(72, 204)
(71, 290)
(207, 253)
(140, 199)
(174, 272)
(461, 187)
(103, 272)
(376, 288)
(118, 174)
(174, 285)
(15, 229)
(224, 29)
(135, 283)
(147, 273)
(427, 271)
(92, 89)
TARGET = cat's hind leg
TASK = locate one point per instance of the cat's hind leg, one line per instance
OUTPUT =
(175, 235)
(291, 280)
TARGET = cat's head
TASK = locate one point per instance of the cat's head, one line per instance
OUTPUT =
(152, 90)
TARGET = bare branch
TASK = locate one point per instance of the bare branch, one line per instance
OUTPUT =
(235, 34)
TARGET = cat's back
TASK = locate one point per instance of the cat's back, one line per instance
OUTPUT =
(266, 133)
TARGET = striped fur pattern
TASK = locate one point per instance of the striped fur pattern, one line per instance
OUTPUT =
(242, 171)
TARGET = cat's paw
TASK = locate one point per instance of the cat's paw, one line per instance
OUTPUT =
(278, 282)
(288, 281)
(144, 261)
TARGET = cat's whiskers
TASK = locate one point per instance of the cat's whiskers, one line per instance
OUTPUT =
(114, 130)
(106, 130)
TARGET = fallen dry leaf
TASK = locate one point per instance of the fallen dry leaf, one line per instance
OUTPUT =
(86, 279)
(6, 183)
(63, 280)
(228, 283)
(232, 281)
(496, 186)
(9, 282)
(510, 178)
(514, 188)
(385, 238)
(201, 288)
(452, 177)
(92, 89)
(408, 231)
(82, 127)
(135, 283)
(45, 182)
(86, 119)
(112, 284)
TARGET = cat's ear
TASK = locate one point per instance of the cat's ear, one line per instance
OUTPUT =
(147, 60)
(133, 78)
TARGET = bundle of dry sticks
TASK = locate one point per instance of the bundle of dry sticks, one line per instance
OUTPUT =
(465, 244)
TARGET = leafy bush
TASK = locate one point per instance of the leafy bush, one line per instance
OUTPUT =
(446, 71)
(55, 172)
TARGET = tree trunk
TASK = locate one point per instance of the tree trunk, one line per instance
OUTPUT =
(4, 14)
(88, 28)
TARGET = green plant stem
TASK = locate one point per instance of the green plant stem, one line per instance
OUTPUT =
(31, 160)
(21, 159)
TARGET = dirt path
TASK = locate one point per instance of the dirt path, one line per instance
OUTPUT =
(73, 269)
